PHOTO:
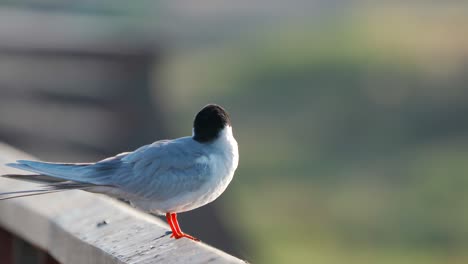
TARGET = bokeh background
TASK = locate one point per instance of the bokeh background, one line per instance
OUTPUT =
(351, 116)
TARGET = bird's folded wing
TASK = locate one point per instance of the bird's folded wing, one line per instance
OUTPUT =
(160, 171)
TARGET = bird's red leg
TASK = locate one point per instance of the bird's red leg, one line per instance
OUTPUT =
(176, 231)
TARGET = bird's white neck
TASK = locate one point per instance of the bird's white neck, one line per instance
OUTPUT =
(227, 143)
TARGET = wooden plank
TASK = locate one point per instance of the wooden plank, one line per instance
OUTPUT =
(80, 227)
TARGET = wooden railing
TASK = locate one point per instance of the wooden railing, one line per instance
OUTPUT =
(80, 227)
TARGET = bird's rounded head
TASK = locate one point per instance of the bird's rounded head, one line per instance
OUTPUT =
(209, 122)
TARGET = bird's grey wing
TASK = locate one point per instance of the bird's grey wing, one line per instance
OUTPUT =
(158, 171)
(164, 170)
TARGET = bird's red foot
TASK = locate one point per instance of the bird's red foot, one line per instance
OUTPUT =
(176, 231)
(177, 236)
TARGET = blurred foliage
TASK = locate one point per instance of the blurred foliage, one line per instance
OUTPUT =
(352, 133)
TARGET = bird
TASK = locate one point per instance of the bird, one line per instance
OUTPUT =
(166, 177)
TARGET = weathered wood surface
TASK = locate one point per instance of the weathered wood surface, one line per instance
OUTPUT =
(80, 227)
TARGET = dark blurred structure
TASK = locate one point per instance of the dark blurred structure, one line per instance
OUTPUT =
(77, 87)
(67, 94)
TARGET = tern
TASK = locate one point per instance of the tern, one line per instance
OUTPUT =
(165, 177)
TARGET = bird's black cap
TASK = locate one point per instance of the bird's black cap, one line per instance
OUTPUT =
(209, 122)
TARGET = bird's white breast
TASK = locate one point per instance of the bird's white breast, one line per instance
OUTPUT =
(223, 163)
(222, 159)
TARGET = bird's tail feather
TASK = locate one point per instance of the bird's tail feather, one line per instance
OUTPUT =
(57, 177)
(50, 185)
(18, 194)
(94, 173)
(37, 178)
(50, 188)
(64, 171)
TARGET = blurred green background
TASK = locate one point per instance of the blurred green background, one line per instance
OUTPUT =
(350, 117)
(352, 132)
